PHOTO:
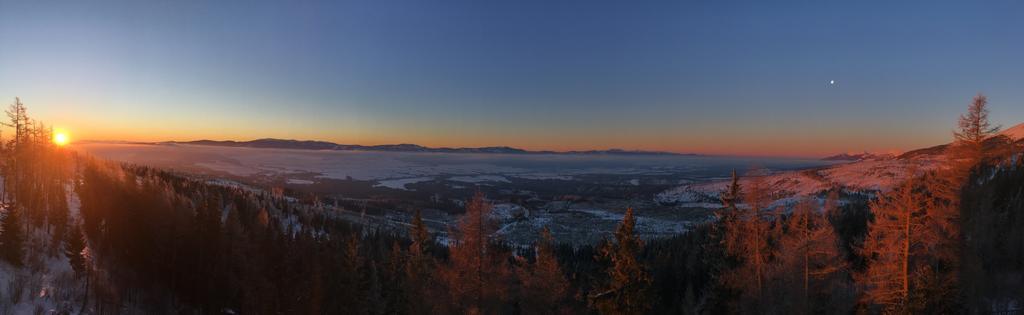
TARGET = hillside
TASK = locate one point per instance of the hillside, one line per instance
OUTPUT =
(1016, 132)
(867, 173)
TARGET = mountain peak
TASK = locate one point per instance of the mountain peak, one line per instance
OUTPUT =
(858, 157)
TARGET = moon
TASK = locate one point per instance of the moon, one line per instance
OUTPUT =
(832, 82)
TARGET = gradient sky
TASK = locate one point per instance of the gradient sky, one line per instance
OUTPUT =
(722, 77)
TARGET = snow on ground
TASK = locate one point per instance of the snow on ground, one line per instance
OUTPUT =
(542, 176)
(1015, 132)
(74, 205)
(873, 175)
(399, 183)
(233, 184)
(508, 211)
(45, 283)
(230, 168)
(480, 179)
(581, 225)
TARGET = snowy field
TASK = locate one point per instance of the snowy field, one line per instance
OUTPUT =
(599, 187)
(790, 186)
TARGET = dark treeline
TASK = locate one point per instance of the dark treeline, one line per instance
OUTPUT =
(944, 241)
(34, 178)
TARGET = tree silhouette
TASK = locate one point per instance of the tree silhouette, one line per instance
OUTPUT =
(12, 237)
(74, 244)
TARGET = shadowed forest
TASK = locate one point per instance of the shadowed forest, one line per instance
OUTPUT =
(117, 238)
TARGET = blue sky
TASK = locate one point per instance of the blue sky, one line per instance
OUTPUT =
(729, 77)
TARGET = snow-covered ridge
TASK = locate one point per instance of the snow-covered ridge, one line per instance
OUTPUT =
(1015, 132)
(871, 173)
(862, 176)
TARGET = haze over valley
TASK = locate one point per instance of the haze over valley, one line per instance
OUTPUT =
(511, 157)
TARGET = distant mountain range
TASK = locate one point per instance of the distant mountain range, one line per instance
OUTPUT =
(1013, 134)
(858, 157)
(324, 145)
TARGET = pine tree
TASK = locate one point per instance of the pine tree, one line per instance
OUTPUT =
(353, 268)
(419, 265)
(543, 283)
(74, 244)
(731, 195)
(476, 275)
(747, 240)
(20, 122)
(973, 129)
(808, 250)
(895, 237)
(420, 236)
(967, 152)
(12, 237)
(627, 289)
(396, 295)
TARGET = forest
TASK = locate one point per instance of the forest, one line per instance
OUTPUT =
(146, 240)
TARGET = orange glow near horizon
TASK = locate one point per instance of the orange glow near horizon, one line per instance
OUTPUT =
(754, 146)
(740, 139)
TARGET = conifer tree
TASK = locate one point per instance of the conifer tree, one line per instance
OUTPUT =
(12, 237)
(418, 267)
(895, 237)
(543, 284)
(626, 291)
(74, 244)
(809, 253)
(419, 235)
(476, 275)
(731, 195)
(973, 129)
(395, 288)
(747, 240)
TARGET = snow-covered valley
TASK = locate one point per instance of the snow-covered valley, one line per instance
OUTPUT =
(580, 198)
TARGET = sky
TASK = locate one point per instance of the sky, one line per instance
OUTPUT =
(714, 77)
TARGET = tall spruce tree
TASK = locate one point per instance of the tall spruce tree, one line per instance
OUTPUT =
(74, 244)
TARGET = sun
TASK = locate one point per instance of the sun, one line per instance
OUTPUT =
(61, 138)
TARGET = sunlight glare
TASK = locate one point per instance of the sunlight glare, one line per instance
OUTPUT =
(61, 138)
